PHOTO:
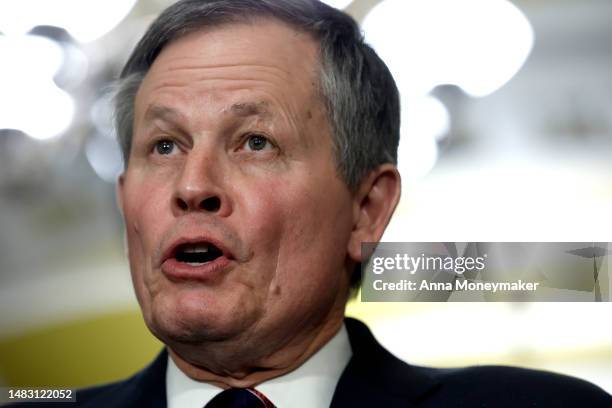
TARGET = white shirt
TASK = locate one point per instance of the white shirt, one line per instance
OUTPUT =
(311, 385)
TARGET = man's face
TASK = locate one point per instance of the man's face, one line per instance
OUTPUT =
(237, 221)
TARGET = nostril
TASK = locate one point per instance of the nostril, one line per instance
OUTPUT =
(211, 204)
(181, 204)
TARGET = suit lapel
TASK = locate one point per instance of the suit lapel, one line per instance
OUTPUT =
(148, 387)
(374, 377)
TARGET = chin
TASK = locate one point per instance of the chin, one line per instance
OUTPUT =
(194, 320)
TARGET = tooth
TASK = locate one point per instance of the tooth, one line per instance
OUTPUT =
(196, 248)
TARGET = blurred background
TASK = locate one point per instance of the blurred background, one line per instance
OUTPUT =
(506, 136)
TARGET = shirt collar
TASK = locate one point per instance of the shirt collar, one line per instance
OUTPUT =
(310, 385)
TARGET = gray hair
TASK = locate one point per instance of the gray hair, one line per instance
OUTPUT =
(360, 95)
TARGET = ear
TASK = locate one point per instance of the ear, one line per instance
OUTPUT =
(119, 196)
(119, 187)
(373, 205)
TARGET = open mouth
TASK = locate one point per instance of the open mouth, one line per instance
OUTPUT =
(197, 254)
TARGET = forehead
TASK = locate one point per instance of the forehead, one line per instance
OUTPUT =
(264, 55)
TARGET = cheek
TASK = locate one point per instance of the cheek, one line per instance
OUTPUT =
(143, 216)
(147, 203)
(262, 220)
(302, 230)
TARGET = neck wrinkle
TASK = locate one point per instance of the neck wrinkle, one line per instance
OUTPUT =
(257, 375)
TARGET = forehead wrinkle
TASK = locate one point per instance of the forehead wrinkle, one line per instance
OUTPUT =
(169, 80)
(236, 69)
(224, 67)
(266, 106)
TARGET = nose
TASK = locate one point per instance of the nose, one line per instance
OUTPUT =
(200, 188)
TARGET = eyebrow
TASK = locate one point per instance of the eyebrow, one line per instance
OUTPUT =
(246, 109)
(164, 113)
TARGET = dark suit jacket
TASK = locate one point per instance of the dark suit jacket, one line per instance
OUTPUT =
(375, 378)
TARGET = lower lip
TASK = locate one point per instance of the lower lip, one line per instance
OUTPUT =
(206, 272)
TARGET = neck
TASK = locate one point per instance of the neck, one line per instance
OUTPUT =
(226, 369)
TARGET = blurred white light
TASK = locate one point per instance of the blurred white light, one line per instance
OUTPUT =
(537, 328)
(30, 101)
(41, 110)
(104, 156)
(339, 4)
(101, 115)
(424, 120)
(486, 196)
(478, 45)
(74, 70)
(425, 116)
(84, 20)
(29, 56)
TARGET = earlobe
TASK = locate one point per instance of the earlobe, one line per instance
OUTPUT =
(374, 204)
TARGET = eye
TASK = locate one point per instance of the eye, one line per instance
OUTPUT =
(164, 147)
(258, 142)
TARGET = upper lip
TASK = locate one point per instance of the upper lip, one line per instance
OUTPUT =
(170, 251)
